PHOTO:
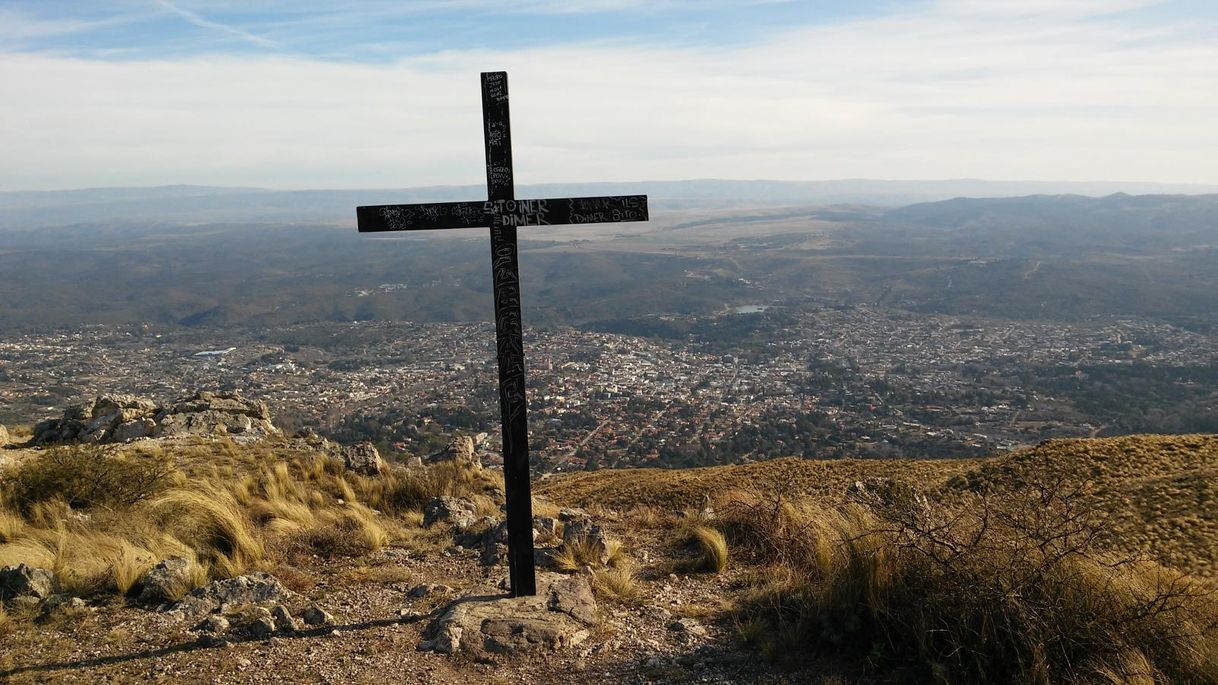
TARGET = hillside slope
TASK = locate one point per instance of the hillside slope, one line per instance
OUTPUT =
(1159, 492)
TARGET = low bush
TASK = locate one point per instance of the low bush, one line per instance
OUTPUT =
(87, 476)
(1013, 590)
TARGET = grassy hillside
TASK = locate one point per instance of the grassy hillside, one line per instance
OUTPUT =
(1159, 492)
(1078, 561)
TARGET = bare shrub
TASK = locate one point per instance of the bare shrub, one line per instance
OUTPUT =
(86, 476)
(1012, 589)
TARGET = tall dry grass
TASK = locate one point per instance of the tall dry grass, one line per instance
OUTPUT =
(101, 517)
(1015, 590)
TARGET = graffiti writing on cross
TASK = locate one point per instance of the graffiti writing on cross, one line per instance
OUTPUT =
(503, 214)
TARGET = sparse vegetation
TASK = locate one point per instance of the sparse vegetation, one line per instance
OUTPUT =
(619, 585)
(709, 549)
(1019, 589)
(85, 476)
(101, 517)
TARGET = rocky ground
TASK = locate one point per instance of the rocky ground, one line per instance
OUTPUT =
(428, 602)
(382, 607)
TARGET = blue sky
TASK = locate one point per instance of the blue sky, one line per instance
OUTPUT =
(386, 30)
(297, 94)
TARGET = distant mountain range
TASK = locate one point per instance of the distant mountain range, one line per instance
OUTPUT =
(183, 204)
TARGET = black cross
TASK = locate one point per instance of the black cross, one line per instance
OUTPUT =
(503, 213)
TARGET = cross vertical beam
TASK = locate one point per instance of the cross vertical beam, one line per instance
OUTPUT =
(505, 268)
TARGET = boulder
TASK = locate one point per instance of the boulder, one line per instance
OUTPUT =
(428, 589)
(164, 582)
(253, 588)
(4, 439)
(27, 582)
(363, 458)
(283, 619)
(316, 616)
(458, 511)
(584, 532)
(133, 430)
(561, 614)
(460, 450)
(261, 627)
(213, 624)
(211, 413)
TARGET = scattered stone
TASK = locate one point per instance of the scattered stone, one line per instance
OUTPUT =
(584, 532)
(428, 589)
(213, 624)
(458, 511)
(261, 628)
(414, 463)
(484, 622)
(253, 588)
(494, 545)
(209, 413)
(689, 626)
(545, 526)
(25, 581)
(460, 450)
(121, 418)
(316, 616)
(163, 582)
(61, 603)
(133, 430)
(283, 619)
(363, 458)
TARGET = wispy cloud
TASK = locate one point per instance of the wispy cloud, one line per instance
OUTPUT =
(940, 91)
(201, 22)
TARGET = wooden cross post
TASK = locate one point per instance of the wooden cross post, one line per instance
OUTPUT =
(503, 213)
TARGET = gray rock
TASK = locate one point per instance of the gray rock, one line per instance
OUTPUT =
(458, 511)
(26, 581)
(213, 624)
(572, 514)
(261, 627)
(460, 449)
(583, 532)
(133, 430)
(561, 615)
(253, 588)
(364, 459)
(688, 625)
(211, 413)
(428, 589)
(316, 616)
(164, 582)
(545, 526)
(283, 619)
(63, 602)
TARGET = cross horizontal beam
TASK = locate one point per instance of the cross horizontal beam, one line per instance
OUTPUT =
(547, 212)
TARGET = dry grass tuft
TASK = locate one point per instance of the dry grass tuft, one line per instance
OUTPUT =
(710, 549)
(618, 585)
(1017, 589)
(210, 521)
(574, 555)
(129, 566)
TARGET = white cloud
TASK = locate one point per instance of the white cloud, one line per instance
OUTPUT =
(944, 93)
